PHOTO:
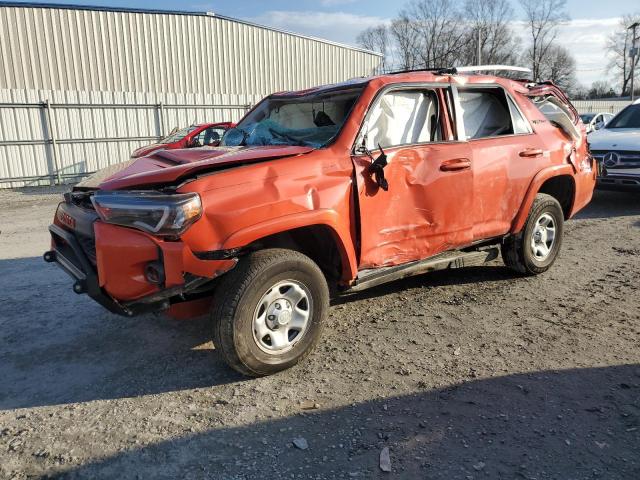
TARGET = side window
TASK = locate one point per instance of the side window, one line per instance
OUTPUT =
(520, 124)
(403, 117)
(487, 112)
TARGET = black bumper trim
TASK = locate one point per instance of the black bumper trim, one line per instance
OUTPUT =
(623, 183)
(84, 274)
(86, 280)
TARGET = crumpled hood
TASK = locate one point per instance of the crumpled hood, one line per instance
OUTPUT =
(169, 166)
(615, 139)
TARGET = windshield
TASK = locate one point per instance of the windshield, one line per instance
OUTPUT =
(312, 120)
(587, 117)
(627, 118)
(179, 135)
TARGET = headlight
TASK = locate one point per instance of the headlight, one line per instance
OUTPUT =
(156, 213)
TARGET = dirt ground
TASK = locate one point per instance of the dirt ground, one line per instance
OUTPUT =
(469, 374)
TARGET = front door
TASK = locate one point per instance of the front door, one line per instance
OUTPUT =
(428, 206)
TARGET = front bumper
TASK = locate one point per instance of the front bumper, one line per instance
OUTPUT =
(68, 255)
(619, 182)
(109, 265)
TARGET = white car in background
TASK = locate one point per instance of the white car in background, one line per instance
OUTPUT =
(616, 147)
(595, 121)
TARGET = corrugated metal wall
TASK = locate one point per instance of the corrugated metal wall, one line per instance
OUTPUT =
(90, 50)
(91, 56)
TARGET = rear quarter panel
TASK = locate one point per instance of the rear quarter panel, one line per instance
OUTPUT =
(565, 157)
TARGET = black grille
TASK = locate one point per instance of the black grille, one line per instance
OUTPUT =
(88, 245)
(67, 251)
(80, 199)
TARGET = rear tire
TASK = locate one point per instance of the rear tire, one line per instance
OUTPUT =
(268, 311)
(536, 247)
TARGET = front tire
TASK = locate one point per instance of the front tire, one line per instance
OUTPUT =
(536, 248)
(269, 310)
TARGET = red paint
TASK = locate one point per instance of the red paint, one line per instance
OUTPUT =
(191, 309)
(122, 253)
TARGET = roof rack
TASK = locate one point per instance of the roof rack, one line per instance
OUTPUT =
(440, 70)
(467, 69)
(492, 68)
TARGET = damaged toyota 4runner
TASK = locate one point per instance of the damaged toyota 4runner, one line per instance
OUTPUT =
(333, 189)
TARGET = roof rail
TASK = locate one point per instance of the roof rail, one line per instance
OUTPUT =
(467, 69)
(492, 68)
(439, 70)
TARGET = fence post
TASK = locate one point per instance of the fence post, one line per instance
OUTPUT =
(52, 141)
(160, 112)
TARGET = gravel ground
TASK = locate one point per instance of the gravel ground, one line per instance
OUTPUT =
(469, 374)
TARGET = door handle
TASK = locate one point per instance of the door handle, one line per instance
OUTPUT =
(455, 165)
(531, 153)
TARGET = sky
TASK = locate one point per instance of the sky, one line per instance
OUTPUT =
(341, 20)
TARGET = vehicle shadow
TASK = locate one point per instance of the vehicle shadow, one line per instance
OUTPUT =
(579, 423)
(57, 347)
(606, 204)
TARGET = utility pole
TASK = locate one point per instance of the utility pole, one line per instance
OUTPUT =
(633, 53)
(480, 48)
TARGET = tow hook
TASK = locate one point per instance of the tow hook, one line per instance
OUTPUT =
(80, 286)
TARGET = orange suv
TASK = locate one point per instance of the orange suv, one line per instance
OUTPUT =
(333, 189)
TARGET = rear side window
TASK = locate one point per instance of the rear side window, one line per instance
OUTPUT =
(520, 125)
(403, 117)
(489, 112)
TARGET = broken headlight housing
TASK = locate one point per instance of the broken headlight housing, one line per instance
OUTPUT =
(153, 212)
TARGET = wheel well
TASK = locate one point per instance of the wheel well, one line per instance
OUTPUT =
(562, 188)
(315, 241)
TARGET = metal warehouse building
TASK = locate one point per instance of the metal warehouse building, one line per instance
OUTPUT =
(81, 87)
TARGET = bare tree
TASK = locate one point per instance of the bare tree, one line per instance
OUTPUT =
(542, 18)
(376, 39)
(439, 31)
(559, 66)
(488, 21)
(601, 89)
(618, 45)
(406, 43)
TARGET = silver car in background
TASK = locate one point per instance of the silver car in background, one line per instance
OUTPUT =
(616, 147)
(595, 121)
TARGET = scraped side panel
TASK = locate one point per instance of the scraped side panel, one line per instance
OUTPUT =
(426, 210)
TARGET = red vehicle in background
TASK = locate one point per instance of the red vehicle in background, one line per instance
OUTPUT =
(204, 134)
